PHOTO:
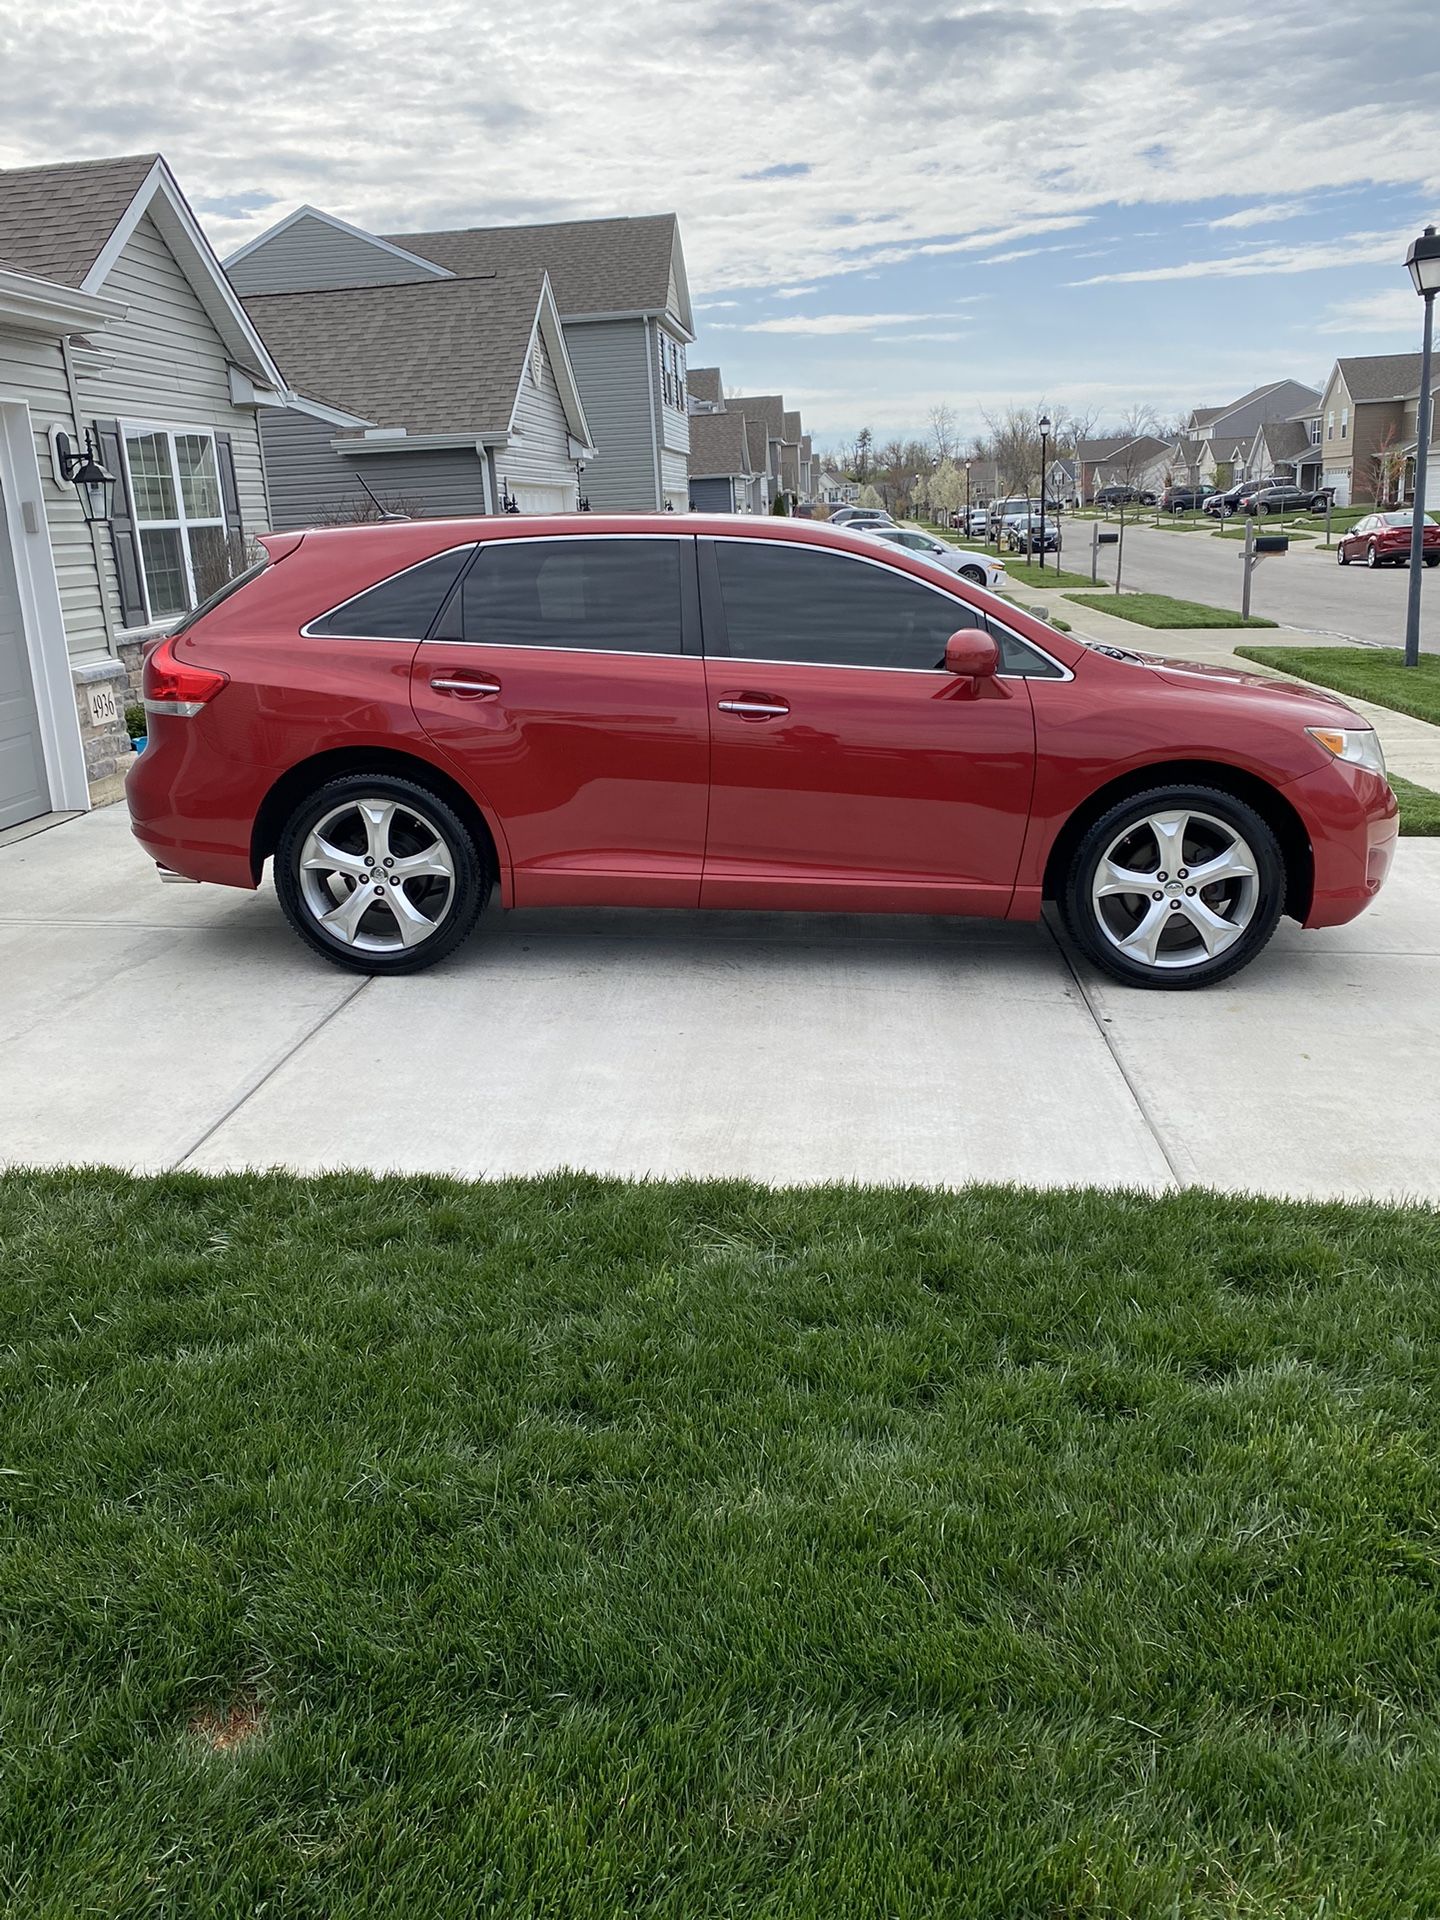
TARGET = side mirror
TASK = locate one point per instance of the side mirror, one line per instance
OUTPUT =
(973, 653)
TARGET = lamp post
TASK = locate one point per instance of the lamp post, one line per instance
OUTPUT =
(1044, 454)
(967, 499)
(1423, 260)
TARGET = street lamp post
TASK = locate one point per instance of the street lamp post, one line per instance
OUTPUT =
(967, 499)
(1044, 452)
(1423, 260)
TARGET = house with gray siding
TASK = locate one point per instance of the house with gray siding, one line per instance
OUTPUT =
(721, 477)
(431, 397)
(621, 290)
(117, 326)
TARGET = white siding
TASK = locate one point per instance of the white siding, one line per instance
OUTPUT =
(612, 362)
(541, 455)
(311, 253)
(33, 368)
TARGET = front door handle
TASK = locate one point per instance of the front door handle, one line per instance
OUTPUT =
(754, 707)
(472, 685)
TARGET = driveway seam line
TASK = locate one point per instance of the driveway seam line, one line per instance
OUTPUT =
(269, 1074)
(1141, 1104)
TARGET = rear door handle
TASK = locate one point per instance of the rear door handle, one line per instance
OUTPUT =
(472, 685)
(750, 707)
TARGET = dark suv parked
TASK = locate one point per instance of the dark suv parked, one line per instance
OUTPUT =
(1123, 497)
(1226, 502)
(1282, 497)
(1182, 499)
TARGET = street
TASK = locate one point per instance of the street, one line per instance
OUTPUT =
(1302, 588)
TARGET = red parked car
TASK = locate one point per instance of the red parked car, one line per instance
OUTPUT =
(1383, 540)
(715, 713)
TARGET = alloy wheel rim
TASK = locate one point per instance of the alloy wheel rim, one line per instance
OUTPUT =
(377, 875)
(1175, 889)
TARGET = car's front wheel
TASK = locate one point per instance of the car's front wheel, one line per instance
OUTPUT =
(1341, 555)
(1177, 887)
(379, 875)
(977, 574)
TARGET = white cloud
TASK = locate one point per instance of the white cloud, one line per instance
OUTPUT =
(1261, 216)
(1356, 249)
(792, 293)
(704, 306)
(1396, 310)
(833, 323)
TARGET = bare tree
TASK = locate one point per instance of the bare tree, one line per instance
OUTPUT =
(1388, 468)
(943, 431)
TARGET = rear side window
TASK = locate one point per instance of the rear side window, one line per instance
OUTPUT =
(400, 608)
(600, 595)
(826, 610)
(224, 592)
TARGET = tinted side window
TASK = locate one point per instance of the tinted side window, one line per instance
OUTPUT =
(823, 609)
(615, 596)
(400, 608)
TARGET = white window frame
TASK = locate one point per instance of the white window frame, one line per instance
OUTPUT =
(138, 429)
(1315, 431)
(1330, 424)
(1344, 421)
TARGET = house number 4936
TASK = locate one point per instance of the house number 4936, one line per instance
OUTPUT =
(103, 710)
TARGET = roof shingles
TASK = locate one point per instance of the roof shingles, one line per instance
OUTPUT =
(54, 221)
(595, 266)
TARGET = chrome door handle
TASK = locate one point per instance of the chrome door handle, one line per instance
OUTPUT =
(445, 683)
(754, 709)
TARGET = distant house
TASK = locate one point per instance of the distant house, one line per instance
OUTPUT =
(777, 449)
(430, 397)
(721, 477)
(833, 490)
(1368, 429)
(118, 325)
(1120, 459)
(1221, 437)
(621, 291)
(1288, 450)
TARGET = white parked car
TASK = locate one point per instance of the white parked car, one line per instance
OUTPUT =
(978, 567)
(979, 526)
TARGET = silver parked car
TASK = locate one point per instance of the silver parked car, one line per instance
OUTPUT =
(978, 567)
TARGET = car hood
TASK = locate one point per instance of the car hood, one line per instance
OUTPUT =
(1212, 678)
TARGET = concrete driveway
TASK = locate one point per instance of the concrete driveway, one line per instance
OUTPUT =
(152, 1027)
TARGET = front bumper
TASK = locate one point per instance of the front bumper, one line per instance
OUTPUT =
(1353, 820)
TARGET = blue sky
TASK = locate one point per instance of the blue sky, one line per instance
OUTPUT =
(1106, 204)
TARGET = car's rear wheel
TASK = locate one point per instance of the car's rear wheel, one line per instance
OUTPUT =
(1432, 559)
(1372, 555)
(1178, 887)
(379, 875)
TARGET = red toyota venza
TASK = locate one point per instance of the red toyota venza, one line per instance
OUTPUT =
(719, 713)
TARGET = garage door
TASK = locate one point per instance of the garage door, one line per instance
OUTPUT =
(23, 791)
(538, 499)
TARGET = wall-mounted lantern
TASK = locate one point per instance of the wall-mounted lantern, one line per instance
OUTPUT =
(95, 486)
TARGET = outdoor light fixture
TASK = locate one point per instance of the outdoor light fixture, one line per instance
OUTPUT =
(90, 480)
(1044, 449)
(1423, 260)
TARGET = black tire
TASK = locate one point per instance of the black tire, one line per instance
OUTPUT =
(1432, 559)
(418, 808)
(1372, 556)
(1081, 916)
(1341, 556)
(977, 574)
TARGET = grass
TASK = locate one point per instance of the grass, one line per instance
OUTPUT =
(1159, 610)
(1419, 808)
(1235, 529)
(1367, 673)
(1027, 573)
(565, 1548)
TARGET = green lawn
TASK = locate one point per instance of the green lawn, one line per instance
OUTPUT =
(1369, 673)
(1419, 807)
(1028, 573)
(1235, 529)
(391, 1548)
(1159, 610)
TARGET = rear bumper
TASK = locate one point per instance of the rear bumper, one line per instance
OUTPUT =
(191, 811)
(1353, 822)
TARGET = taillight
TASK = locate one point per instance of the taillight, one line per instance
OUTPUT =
(178, 686)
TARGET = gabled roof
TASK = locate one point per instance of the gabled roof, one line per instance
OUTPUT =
(1371, 376)
(71, 222)
(757, 441)
(1285, 439)
(54, 221)
(767, 410)
(432, 356)
(1202, 416)
(718, 446)
(1220, 415)
(792, 427)
(704, 384)
(1089, 451)
(595, 266)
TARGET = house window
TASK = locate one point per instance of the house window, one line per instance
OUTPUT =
(179, 517)
(1330, 426)
(1315, 431)
(537, 363)
(1344, 421)
(672, 374)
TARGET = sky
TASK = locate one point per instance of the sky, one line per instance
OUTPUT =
(1104, 204)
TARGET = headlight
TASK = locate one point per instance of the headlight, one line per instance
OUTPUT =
(1359, 745)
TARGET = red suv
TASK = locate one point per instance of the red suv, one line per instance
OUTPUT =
(720, 713)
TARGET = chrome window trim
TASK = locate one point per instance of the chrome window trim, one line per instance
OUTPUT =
(1062, 672)
(404, 639)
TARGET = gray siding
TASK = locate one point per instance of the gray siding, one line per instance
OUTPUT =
(541, 455)
(675, 478)
(170, 368)
(611, 362)
(311, 253)
(34, 368)
(713, 496)
(312, 485)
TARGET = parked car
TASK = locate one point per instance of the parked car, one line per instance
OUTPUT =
(978, 567)
(1280, 496)
(1182, 499)
(853, 516)
(1000, 511)
(1124, 497)
(1383, 540)
(1023, 533)
(1227, 500)
(976, 523)
(403, 716)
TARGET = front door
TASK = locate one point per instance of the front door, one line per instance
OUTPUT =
(558, 680)
(24, 790)
(848, 769)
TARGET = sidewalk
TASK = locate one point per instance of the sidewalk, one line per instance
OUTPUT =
(1412, 747)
